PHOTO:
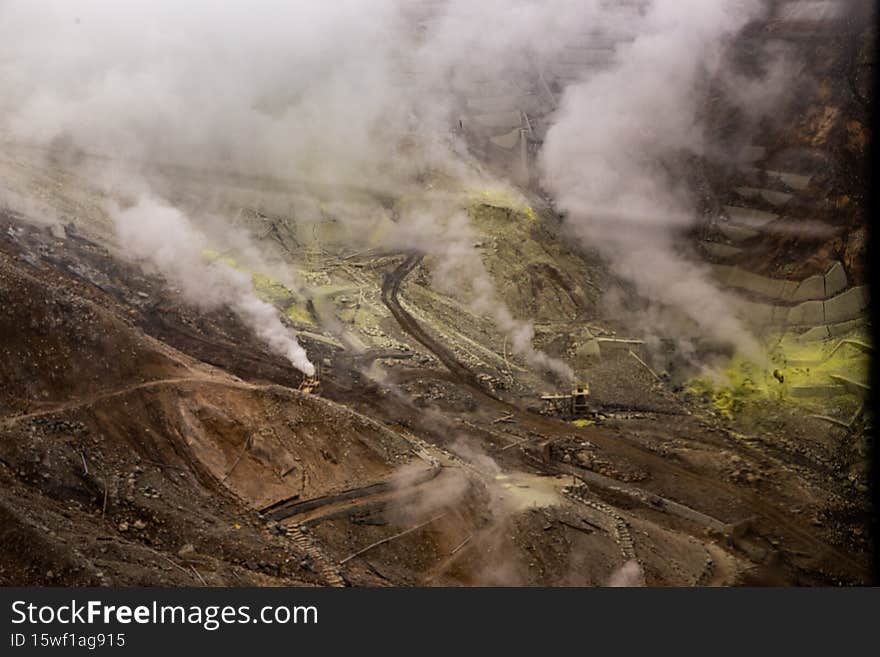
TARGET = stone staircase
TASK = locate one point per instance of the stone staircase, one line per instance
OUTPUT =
(616, 524)
(326, 569)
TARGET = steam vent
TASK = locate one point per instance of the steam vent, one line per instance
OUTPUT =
(436, 294)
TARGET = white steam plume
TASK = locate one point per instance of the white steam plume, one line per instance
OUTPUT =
(162, 236)
(603, 158)
(629, 575)
(460, 272)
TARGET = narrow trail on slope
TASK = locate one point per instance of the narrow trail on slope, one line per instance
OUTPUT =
(391, 283)
(82, 402)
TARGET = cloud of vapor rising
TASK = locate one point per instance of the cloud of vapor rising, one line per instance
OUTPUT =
(606, 158)
(346, 94)
(307, 91)
(161, 236)
(286, 88)
(460, 272)
(629, 575)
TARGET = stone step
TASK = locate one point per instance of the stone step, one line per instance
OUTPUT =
(848, 306)
(328, 571)
(784, 180)
(775, 198)
(817, 287)
(720, 250)
(831, 331)
(737, 233)
(744, 223)
(771, 288)
(749, 217)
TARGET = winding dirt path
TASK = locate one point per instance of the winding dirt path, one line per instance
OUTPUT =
(391, 283)
(88, 400)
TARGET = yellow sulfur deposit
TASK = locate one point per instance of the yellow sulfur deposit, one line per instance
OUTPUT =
(268, 289)
(503, 199)
(796, 372)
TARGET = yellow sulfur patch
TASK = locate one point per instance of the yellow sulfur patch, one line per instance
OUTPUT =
(794, 371)
(267, 289)
(503, 199)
